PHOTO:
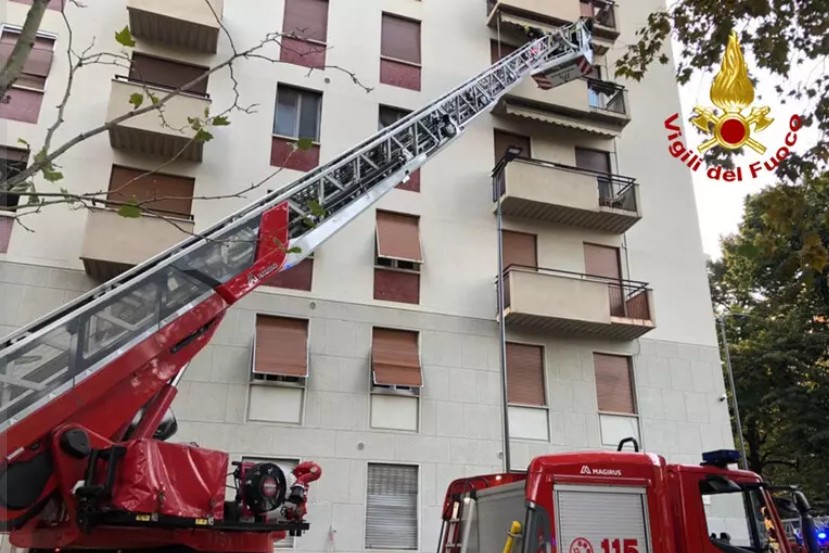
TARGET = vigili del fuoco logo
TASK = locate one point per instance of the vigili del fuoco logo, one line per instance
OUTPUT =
(731, 124)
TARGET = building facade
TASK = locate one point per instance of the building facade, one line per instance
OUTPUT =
(379, 357)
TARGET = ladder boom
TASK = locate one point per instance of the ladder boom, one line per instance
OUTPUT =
(54, 354)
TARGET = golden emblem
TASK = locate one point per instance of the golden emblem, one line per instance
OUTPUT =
(732, 92)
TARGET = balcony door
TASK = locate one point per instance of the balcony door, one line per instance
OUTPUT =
(604, 261)
(504, 140)
(598, 162)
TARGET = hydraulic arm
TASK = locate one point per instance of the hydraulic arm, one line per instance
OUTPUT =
(84, 391)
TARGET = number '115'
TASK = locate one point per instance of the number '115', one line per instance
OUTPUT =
(620, 546)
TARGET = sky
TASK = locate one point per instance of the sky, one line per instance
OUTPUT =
(719, 203)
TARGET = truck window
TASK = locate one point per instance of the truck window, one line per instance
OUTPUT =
(537, 531)
(738, 521)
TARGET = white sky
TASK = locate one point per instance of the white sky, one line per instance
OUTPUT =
(720, 203)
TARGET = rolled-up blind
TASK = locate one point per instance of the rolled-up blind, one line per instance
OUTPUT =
(525, 374)
(398, 236)
(395, 357)
(157, 193)
(391, 509)
(519, 249)
(281, 346)
(614, 384)
(400, 39)
(307, 19)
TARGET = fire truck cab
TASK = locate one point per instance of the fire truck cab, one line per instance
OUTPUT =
(614, 502)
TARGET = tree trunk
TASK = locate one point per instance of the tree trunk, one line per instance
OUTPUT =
(20, 53)
(755, 458)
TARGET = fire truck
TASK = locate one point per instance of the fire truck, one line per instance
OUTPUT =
(620, 502)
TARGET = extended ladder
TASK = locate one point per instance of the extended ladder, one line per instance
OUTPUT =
(50, 356)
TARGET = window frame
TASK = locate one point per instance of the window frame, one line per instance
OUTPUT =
(631, 374)
(298, 110)
(285, 381)
(383, 262)
(40, 34)
(420, 34)
(418, 504)
(544, 378)
(395, 389)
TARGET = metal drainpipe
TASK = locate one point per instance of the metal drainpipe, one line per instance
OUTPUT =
(501, 326)
(734, 403)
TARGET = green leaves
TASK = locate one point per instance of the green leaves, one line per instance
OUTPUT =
(136, 99)
(47, 168)
(130, 209)
(203, 136)
(304, 144)
(124, 37)
(316, 209)
(295, 249)
(220, 121)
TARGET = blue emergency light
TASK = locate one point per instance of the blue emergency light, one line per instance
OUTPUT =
(821, 536)
(721, 457)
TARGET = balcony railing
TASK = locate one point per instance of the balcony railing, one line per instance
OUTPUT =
(576, 303)
(606, 96)
(161, 87)
(563, 194)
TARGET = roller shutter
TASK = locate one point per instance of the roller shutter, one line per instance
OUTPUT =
(591, 516)
(391, 509)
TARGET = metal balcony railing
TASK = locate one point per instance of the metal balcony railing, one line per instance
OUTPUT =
(606, 96)
(615, 191)
(628, 298)
(160, 86)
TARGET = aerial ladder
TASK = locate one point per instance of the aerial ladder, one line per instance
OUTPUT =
(86, 391)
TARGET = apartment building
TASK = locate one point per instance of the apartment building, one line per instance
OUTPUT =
(379, 356)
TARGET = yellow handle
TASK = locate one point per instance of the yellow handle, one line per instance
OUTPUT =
(514, 532)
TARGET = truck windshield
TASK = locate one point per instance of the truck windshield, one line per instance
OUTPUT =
(739, 521)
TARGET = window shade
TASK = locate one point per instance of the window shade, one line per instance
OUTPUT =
(519, 249)
(281, 346)
(614, 384)
(395, 358)
(400, 39)
(602, 261)
(40, 58)
(593, 160)
(164, 194)
(398, 236)
(307, 19)
(391, 507)
(500, 51)
(166, 73)
(504, 140)
(525, 374)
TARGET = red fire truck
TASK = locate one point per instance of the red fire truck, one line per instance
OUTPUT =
(618, 502)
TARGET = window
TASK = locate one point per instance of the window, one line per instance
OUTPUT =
(400, 52)
(390, 116)
(306, 26)
(737, 518)
(398, 258)
(12, 161)
(24, 99)
(391, 507)
(604, 261)
(280, 367)
(601, 10)
(526, 393)
(158, 72)
(500, 50)
(615, 397)
(297, 115)
(395, 379)
(157, 193)
(299, 277)
(520, 249)
(287, 466)
(504, 140)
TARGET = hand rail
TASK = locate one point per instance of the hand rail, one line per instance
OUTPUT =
(636, 284)
(610, 95)
(161, 86)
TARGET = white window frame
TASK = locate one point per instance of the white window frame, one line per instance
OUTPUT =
(280, 380)
(633, 390)
(298, 106)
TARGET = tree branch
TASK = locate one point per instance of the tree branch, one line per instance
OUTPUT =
(20, 53)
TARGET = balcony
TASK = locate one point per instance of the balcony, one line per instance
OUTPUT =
(191, 24)
(587, 105)
(514, 15)
(148, 133)
(575, 304)
(546, 191)
(112, 243)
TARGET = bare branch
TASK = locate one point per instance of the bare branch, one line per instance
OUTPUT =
(23, 47)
